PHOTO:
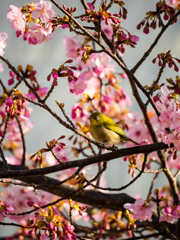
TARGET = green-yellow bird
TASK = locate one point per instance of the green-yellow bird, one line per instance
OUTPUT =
(105, 130)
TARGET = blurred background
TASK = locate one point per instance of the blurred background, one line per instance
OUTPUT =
(50, 55)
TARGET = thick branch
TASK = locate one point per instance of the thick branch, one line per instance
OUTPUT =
(85, 162)
(93, 198)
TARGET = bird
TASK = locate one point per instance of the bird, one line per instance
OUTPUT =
(103, 129)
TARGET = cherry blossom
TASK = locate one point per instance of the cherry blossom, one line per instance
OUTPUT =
(169, 216)
(3, 42)
(71, 46)
(140, 210)
(79, 113)
(91, 5)
(173, 1)
(38, 34)
(41, 92)
(170, 117)
(43, 11)
(77, 86)
(121, 97)
(123, 75)
(17, 19)
(107, 29)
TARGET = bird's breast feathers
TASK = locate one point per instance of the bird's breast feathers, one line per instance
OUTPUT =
(102, 134)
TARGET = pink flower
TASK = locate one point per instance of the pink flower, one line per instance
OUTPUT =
(123, 75)
(176, 211)
(172, 1)
(176, 119)
(64, 25)
(166, 119)
(102, 59)
(38, 34)
(9, 101)
(169, 217)
(140, 210)
(55, 75)
(92, 86)
(174, 163)
(17, 19)
(121, 98)
(171, 138)
(139, 134)
(91, 6)
(71, 46)
(107, 29)
(3, 42)
(43, 11)
(79, 113)
(77, 86)
(134, 38)
(165, 94)
(1, 67)
(41, 92)
(11, 74)
(108, 98)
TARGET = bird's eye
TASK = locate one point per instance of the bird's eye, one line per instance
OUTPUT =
(97, 118)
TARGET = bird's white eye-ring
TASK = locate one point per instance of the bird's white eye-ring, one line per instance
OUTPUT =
(97, 118)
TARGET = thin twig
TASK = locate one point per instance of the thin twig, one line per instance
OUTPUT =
(17, 84)
(23, 142)
(49, 92)
(2, 85)
(5, 129)
(14, 224)
(127, 185)
(18, 183)
(54, 155)
(65, 115)
(152, 183)
(155, 83)
(109, 5)
(146, 236)
(44, 206)
(151, 171)
(21, 77)
(146, 54)
(37, 186)
(177, 173)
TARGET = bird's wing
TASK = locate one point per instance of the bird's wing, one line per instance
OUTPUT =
(115, 128)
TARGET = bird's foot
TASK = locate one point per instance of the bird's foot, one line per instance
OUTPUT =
(102, 145)
(114, 148)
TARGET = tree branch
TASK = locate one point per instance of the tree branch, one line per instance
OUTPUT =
(146, 54)
(85, 162)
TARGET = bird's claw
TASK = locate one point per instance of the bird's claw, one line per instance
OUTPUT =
(114, 148)
(102, 145)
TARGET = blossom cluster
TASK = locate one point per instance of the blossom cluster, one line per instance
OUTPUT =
(53, 225)
(169, 118)
(142, 211)
(40, 14)
(153, 16)
(88, 82)
(166, 58)
(3, 42)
